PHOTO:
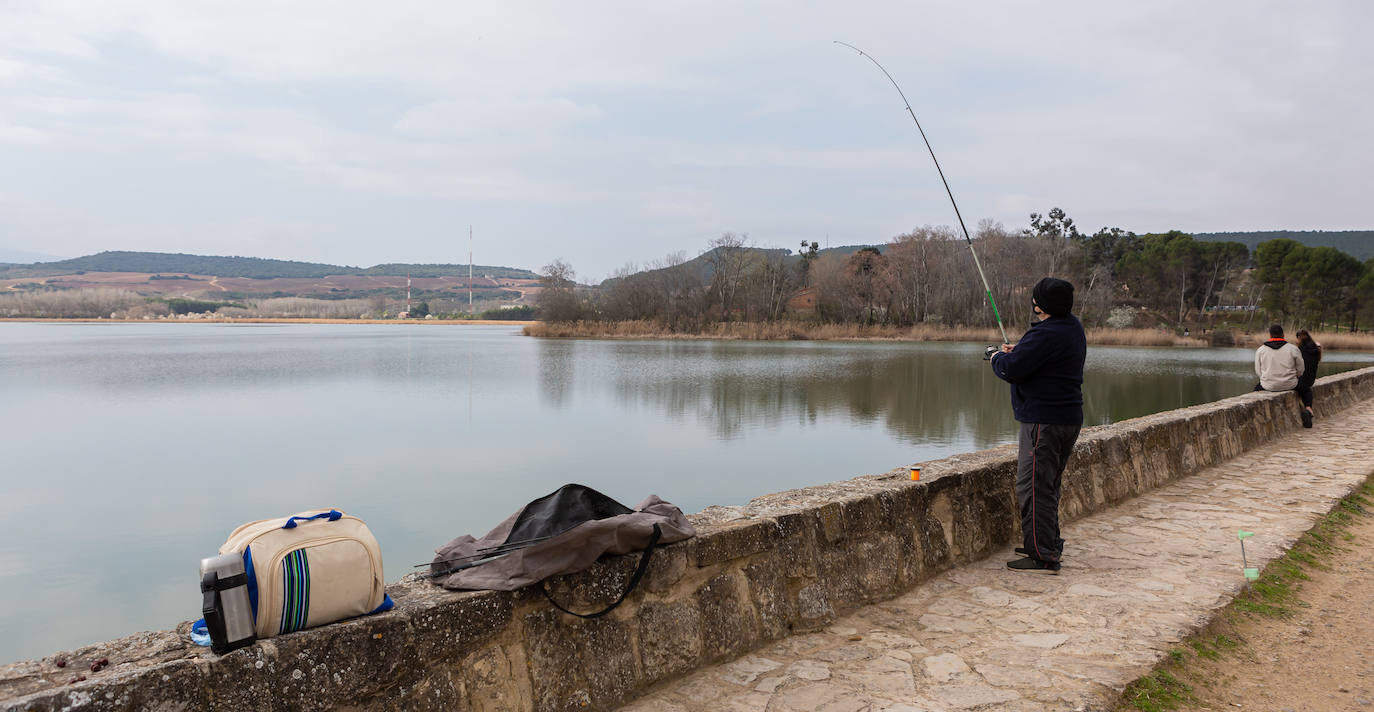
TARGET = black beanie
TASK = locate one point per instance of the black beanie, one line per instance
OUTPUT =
(1055, 296)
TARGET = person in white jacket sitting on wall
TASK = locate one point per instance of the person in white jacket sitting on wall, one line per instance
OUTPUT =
(1277, 363)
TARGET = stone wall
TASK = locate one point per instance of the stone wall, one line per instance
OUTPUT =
(784, 562)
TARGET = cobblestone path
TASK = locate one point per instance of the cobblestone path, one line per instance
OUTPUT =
(1136, 579)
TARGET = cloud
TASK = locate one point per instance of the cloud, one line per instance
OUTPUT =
(471, 118)
(635, 130)
(11, 133)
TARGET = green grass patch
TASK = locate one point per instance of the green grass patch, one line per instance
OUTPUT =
(1225, 642)
(1157, 692)
(1203, 650)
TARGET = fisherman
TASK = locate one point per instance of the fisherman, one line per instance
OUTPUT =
(1045, 370)
(1280, 367)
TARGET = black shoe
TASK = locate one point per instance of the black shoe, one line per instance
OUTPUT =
(1034, 566)
(1306, 418)
(1024, 551)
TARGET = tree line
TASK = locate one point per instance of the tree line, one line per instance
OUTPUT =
(250, 267)
(927, 276)
(1356, 243)
(110, 303)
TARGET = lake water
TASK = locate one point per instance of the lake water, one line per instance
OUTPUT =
(130, 451)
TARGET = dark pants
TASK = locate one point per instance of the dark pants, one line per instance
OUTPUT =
(1044, 450)
(1304, 392)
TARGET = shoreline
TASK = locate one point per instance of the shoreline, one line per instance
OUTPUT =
(756, 331)
(264, 320)
(748, 331)
(737, 331)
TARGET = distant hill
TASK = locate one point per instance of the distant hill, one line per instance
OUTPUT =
(250, 267)
(701, 264)
(1356, 243)
(448, 271)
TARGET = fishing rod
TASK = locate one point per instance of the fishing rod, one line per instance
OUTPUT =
(967, 239)
(464, 566)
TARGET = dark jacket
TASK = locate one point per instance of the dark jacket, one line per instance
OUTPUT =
(1045, 371)
(1311, 356)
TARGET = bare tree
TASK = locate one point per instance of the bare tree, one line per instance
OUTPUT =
(834, 295)
(768, 282)
(68, 303)
(557, 298)
(915, 265)
(727, 256)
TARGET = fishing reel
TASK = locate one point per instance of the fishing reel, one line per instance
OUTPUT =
(989, 351)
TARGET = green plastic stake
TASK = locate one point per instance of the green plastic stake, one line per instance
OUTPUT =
(1251, 574)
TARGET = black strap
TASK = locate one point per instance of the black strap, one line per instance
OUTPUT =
(634, 581)
(210, 606)
(223, 584)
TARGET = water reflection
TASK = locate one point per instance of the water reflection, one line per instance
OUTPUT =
(921, 393)
(556, 370)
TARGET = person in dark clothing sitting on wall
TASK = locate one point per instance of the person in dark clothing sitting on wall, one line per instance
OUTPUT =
(1045, 370)
(1311, 356)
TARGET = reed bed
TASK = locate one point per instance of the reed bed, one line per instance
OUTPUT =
(1345, 341)
(784, 331)
(213, 319)
(1330, 340)
(1141, 337)
(751, 331)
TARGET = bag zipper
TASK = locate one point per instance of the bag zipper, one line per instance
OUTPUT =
(239, 538)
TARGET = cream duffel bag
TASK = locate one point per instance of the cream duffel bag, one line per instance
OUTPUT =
(310, 569)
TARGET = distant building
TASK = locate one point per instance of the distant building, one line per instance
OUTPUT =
(803, 301)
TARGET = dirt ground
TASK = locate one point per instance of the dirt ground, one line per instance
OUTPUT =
(1319, 659)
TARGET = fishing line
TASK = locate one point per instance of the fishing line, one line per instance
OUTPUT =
(957, 214)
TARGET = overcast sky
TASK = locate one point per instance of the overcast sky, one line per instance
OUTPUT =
(613, 133)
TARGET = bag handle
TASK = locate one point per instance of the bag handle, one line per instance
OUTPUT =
(634, 581)
(332, 514)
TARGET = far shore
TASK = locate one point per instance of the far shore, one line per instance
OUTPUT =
(802, 331)
(269, 320)
(779, 331)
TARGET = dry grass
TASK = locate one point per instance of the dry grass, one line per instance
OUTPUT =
(1140, 337)
(755, 331)
(1330, 341)
(273, 320)
(784, 331)
(1345, 341)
